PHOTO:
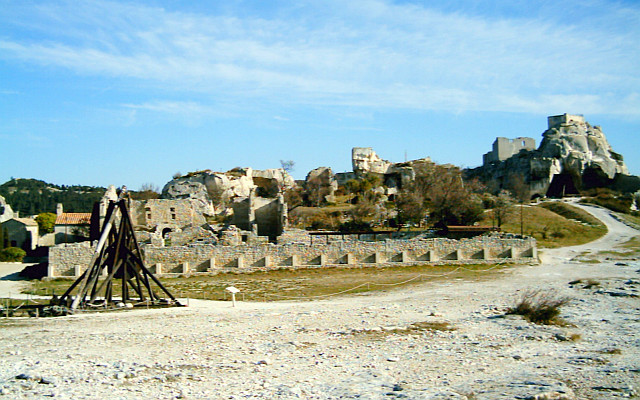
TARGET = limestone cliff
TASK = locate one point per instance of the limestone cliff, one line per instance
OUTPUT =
(6, 213)
(573, 155)
(237, 183)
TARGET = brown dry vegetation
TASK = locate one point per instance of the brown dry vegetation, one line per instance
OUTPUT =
(566, 225)
(300, 284)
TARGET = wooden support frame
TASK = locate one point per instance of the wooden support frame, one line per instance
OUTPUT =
(119, 254)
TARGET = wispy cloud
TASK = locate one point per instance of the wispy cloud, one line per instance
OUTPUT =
(367, 53)
(171, 107)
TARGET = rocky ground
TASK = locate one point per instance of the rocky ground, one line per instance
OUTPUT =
(447, 340)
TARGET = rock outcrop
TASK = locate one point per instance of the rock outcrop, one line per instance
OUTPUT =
(364, 160)
(6, 213)
(573, 155)
(237, 183)
(252, 199)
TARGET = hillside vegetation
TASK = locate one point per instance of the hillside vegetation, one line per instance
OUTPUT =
(32, 196)
(554, 224)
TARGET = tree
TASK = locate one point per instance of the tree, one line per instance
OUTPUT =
(287, 165)
(147, 191)
(318, 187)
(520, 189)
(4, 237)
(46, 222)
(411, 207)
(293, 197)
(502, 207)
(447, 198)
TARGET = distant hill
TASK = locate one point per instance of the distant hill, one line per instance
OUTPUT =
(32, 196)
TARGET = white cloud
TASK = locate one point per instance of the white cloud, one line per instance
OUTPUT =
(369, 53)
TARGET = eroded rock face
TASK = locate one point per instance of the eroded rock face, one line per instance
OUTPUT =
(6, 213)
(239, 182)
(364, 160)
(580, 146)
(573, 155)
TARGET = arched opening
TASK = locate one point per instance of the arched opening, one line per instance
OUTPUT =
(562, 185)
(165, 232)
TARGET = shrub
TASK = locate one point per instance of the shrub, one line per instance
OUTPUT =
(12, 254)
(540, 307)
(46, 222)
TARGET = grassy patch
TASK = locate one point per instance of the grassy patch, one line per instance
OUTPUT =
(571, 212)
(633, 220)
(563, 227)
(632, 244)
(414, 329)
(311, 283)
(540, 307)
(575, 337)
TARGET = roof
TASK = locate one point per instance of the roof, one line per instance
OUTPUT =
(73, 219)
(27, 221)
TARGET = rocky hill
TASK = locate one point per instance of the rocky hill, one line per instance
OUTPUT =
(573, 156)
(32, 196)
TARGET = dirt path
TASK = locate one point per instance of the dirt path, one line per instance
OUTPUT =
(10, 283)
(372, 346)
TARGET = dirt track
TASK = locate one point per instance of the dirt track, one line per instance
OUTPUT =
(370, 346)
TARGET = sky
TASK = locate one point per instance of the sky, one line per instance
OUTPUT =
(129, 93)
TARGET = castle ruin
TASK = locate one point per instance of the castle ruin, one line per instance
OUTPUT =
(504, 148)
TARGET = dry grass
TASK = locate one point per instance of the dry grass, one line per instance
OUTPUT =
(310, 283)
(417, 328)
(552, 229)
(540, 307)
(575, 337)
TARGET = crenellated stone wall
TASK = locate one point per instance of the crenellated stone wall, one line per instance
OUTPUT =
(209, 258)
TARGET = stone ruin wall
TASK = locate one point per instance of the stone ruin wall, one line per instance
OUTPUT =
(207, 258)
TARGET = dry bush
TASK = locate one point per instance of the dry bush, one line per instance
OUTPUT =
(540, 307)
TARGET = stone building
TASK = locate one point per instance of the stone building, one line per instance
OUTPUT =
(164, 216)
(504, 148)
(22, 232)
(260, 215)
(71, 227)
(555, 121)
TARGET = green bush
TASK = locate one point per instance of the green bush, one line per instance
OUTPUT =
(12, 254)
(46, 222)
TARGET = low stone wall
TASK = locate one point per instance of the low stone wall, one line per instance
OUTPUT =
(207, 258)
(70, 259)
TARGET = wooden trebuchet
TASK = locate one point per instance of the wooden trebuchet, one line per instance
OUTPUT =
(117, 256)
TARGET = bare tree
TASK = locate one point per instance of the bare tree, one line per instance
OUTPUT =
(287, 165)
(147, 191)
(502, 207)
(520, 189)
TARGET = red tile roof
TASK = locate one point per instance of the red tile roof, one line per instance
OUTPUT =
(73, 219)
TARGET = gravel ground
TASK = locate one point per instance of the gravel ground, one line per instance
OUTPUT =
(447, 340)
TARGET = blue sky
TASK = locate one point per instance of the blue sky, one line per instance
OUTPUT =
(113, 92)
